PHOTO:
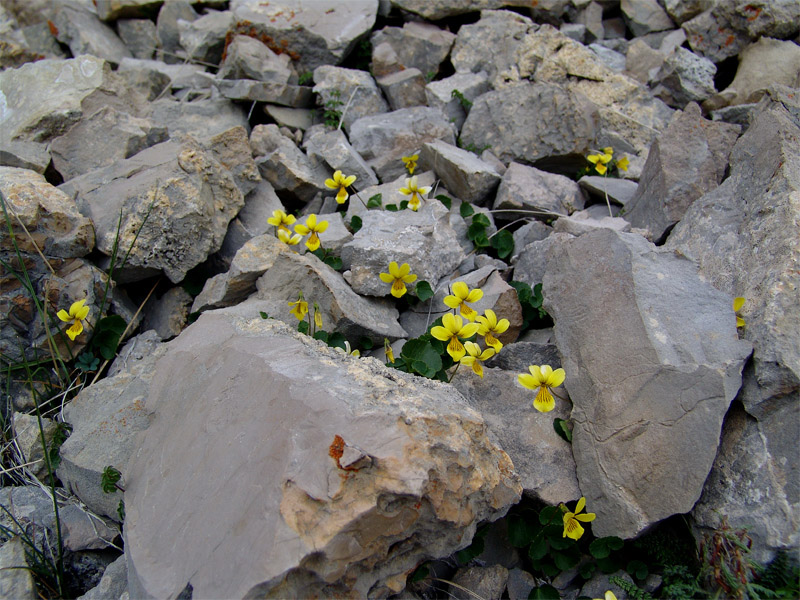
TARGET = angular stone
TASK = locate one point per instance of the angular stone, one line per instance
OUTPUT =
(333, 148)
(52, 218)
(644, 16)
(24, 155)
(383, 139)
(284, 165)
(389, 193)
(684, 77)
(176, 196)
(248, 58)
(532, 231)
(642, 62)
(203, 38)
(113, 584)
(424, 239)
(651, 383)
(168, 314)
(232, 149)
(264, 91)
(531, 121)
(84, 33)
(584, 221)
(462, 173)
(311, 33)
(689, 159)
(155, 79)
(355, 91)
(294, 118)
(388, 508)
(486, 582)
(536, 193)
(384, 60)
(743, 235)
(439, 94)
(416, 45)
(15, 582)
(139, 36)
(28, 440)
(681, 11)
(439, 9)
(111, 10)
(618, 191)
(403, 89)
(200, 118)
(101, 139)
(170, 50)
(591, 17)
(532, 262)
(609, 58)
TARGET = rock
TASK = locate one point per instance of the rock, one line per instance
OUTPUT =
(84, 33)
(591, 17)
(682, 10)
(167, 29)
(536, 193)
(689, 159)
(155, 79)
(101, 139)
(618, 191)
(113, 584)
(332, 460)
(585, 221)
(610, 58)
(532, 231)
(355, 92)
(462, 173)
(403, 89)
(200, 118)
(312, 34)
(131, 357)
(754, 482)
(644, 16)
(425, 240)
(650, 384)
(642, 62)
(332, 148)
(519, 122)
(439, 9)
(105, 419)
(294, 118)
(383, 139)
(111, 10)
(684, 77)
(232, 149)
(440, 94)
(284, 165)
(28, 441)
(139, 36)
(519, 355)
(486, 582)
(24, 155)
(167, 316)
(532, 262)
(601, 582)
(743, 235)
(203, 38)
(520, 583)
(541, 458)
(52, 219)
(416, 45)
(264, 91)
(248, 58)
(15, 582)
(342, 309)
(177, 197)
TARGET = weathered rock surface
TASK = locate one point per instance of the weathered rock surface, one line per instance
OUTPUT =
(650, 381)
(15, 582)
(536, 193)
(439, 94)
(167, 315)
(421, 46)
(84, 33)
(113, 584)
(462, 173)
(684, 77)
(355, 91)
(361, 464)
(645, 16)
(333, 148)
(203, 38)
(403, 89)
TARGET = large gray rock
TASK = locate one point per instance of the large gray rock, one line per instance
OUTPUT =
(355, 90)
(536, 193)
(417, 45)
(203, 38)
(461, 172)
(200, 118)
(650, 380)
(403, 89)
(84, 33)
(689, 159)
(439, 9)
(743, 235)
(645, 16)
(140, 37)
(439, 94)
(249, 58)
(113, 583)
(684, 77)
(155, 79)
(365, 472)
(312, 33)
(177, 197)
(170, 50)
(16, 582)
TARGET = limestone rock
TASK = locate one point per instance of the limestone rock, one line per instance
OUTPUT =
(417, 45)
(200, 118)
(683, 10)
(28, 440)
(584, 221)
(139, 36)
(84, 33)
(168, 314)
(113, 584)
(353, 89)
(170, 50)
(403, 89)
(462, 173)
(651, 380)
(536, 193)
(155, 79)
(439, 9)
(383, 139)
(203, 38)
(486, 582)
(264, 91)
(440, 94)
(15, 582)
(111, 10)
(643, 62)
(177, 196)
(368, 470)
(24, 155)
(333, 148)
(532, 231)
(644, 16)
(684, 77)
(249, 58)
(531, 265)
(689, 159)
(618, 191)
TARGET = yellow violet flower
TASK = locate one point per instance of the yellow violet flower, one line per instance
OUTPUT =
(461, 295)
(317, 317)
(410, 162)
(609, 595)
(356, 352)
(491, 327)
(451, 329)
(475, 357)
(311, 226)
(738, 302)
(572, 527)
(398, 277)
(287, 237)
(543, 378)
(281, 220)
(77, 313)
(300, 309)
(622, 164)
(341, 182)
(601, 160)
(412, 189)
(387, 349)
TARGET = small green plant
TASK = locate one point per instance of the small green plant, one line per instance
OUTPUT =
(464, 102)
(471, 147)
(305, 78)
(502, 241)
(331, 114)
(633, 590)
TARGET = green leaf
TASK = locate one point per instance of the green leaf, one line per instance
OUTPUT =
(421, 357)
(263, 314)
(121, 510)
(334, 262)
(336, 340)
(560, 542)
(587, 569)
(538, 548)
(106, 335)
(609, 564)
(520, 532)
(476, 233)
(562, 429)
(466, 210)
(87, 362)
(470, 552)
(109, 479)
(420, 573)
(550, 514)
(365, 343)
(447, 201)
(404, 205)
(423, 290)
(544, 592)
(503, 242)
(321, 335)
(602, 547)
(637, 569)
(302, 327)
(356, 224)
(375, 201)
(566, 560)
(391, 207)
(481, 219)
(524, 292)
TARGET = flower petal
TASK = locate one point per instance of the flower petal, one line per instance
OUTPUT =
(527, 381)
(544, 401)
(398, 288)
(586, 517)
(556, 378)
(440, 333)
(386, 277)
(581, 504)
(64, 315)
(738, 302)
(452, 302)
(331, 184)
(460, 290)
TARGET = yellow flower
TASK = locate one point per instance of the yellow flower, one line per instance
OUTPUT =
(287, 237)
(311, 226)
(412, 189)
(572, 528)
(609, 595)
(342, 182)
(387, 349)
(738, 302)
(410, 162)
(398, 277)
(77, 313)
(490, 327)
(317, 317)
(451, 329)
(622, 163)
(300, 309)
(475, 357)
(462, 295)
(281, 220)
(601, 160)
(543, 378)
(356, 352)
